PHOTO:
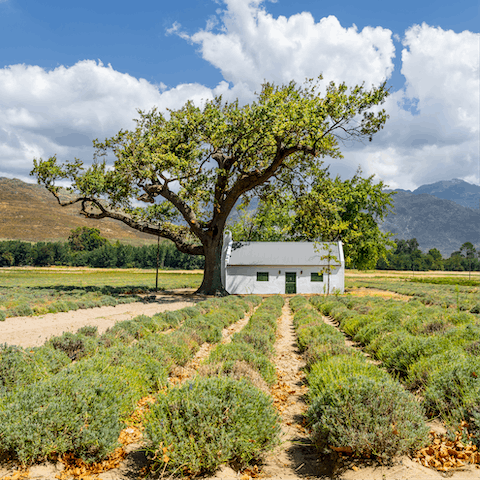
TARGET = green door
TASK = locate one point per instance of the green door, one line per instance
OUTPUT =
(290, 282)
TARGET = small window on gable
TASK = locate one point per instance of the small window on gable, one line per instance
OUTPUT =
(262, 276)
(316, 277)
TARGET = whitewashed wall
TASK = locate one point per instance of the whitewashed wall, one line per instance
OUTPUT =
(243, 280)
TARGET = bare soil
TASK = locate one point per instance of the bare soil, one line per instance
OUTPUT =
(375, 292)
(34, 331)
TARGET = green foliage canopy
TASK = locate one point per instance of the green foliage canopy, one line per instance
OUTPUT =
(85, 238)
(330, 210)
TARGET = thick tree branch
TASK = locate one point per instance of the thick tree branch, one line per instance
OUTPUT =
(177, 235)
(187, 213)
(254, 179)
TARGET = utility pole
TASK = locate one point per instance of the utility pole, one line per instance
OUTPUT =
(158, 258)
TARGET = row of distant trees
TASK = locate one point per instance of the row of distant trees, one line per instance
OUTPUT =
(87, 248)
(407, 256)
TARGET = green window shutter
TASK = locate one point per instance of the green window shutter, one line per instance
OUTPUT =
(262, 276)
(316, 277)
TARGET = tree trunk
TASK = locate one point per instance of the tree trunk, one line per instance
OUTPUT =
(212, 276)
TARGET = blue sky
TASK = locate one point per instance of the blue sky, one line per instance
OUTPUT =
(56, 96)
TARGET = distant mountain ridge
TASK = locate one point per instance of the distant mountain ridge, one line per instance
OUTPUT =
(434, 222)
(29, 212)
(457, 190)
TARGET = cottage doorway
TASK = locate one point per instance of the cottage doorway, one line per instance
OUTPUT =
(290, 282)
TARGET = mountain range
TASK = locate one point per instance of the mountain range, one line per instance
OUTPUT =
(457, 190)
(442, 215)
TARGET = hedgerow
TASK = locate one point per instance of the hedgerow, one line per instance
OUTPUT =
(60, 406)
(20, 366)
(220, 419)
(76, 410)
(20, 301)
(355, 407)
(434, 350)
(367, 417)
(254, 344)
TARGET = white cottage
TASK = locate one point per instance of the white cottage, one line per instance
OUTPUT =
(282, 267)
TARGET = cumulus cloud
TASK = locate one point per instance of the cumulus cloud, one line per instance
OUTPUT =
(61, 111)
(251, 46)
(433, 132)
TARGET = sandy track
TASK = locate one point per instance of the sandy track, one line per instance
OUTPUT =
(34, 331)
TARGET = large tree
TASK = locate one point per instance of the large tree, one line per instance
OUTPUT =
(192, 165)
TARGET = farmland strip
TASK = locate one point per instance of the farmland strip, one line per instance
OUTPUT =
(81, 407)
(226, 418)
(433, 351)
(355, 407)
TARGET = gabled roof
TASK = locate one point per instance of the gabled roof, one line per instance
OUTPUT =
(283, 253)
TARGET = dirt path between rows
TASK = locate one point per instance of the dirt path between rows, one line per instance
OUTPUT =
(296, 457)
(34, 331)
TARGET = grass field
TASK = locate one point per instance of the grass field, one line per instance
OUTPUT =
(36, 291)
(447, 291)
(95, 277)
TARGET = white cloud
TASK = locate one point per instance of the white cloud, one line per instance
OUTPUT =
(442, 71)
(438, 138)
(61, 111)
(252, 46)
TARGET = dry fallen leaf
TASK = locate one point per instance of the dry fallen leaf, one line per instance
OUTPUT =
(445, 455)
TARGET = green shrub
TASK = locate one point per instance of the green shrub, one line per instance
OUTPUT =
(419, 372)
(152, 365)
(77, 410)
(180, 346)
(208, 422)
(75, 345)
(3, 315)
(324, 306)
(319, 352)
(454, 390)
(354, 323)
(22, 310)
(19, 366)
(207, 329)
(339, 368)
(261, 340)
(400, 349)
(371, 417)
(298, 303)
(475, 308)
(373, 327)
(460, 318)
(318, 332)
(88, 331)
(230, 353)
